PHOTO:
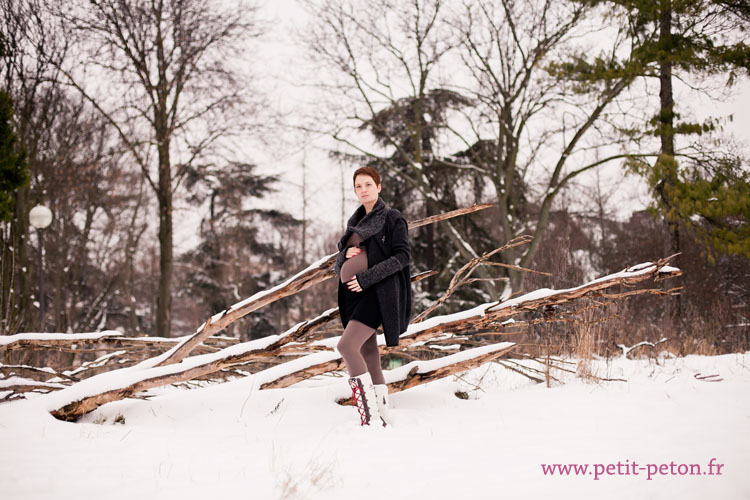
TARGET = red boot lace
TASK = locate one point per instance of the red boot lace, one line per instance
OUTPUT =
(359, 400)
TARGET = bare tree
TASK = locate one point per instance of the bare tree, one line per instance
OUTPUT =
(33, 48)
(386, 60)
(164, 74)
(98, 214)
(526, 134)
(76, 170)
(462, 97)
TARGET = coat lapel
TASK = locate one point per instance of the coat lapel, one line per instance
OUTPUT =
(366, 225)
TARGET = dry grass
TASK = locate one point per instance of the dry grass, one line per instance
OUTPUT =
(294, 483)
(587, 336)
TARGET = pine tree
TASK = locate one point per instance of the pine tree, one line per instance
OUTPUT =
(706, 192)
(13, 172)
(242, 250)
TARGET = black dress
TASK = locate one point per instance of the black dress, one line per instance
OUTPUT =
(361, 306)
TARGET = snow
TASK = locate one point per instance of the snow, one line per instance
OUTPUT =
(434, 364)
(449, 347)
(447, 318)
(11, 381)
(235, 441)
(100, 361)
(233, 438)
(9, 339)
(142, 371)
(626, 349)
(668, 269)
(542, 293)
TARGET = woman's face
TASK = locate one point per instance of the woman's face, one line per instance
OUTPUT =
(366, 189)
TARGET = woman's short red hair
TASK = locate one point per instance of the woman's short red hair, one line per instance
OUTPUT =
(369, 171)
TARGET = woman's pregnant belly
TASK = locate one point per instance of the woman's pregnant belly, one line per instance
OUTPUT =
(354, 265)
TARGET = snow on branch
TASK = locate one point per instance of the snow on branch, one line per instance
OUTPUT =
(111, 339)
(70, 403)
(21, 340)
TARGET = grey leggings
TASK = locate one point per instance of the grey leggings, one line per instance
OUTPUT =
(359, 348)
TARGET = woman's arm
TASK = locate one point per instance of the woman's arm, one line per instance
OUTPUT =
(399, 259)
(343, 256)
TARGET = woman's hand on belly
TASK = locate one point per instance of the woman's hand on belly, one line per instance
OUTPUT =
(353, 285)
(353, 251)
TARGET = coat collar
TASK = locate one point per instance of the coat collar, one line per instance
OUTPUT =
(366, 224)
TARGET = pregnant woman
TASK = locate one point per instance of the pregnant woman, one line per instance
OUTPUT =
(374, 290)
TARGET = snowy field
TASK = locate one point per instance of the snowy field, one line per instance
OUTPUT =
(678, 428)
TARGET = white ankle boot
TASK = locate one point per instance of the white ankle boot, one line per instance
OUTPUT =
(363, 397)
(381, 398)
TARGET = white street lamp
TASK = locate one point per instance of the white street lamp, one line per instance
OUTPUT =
(40, 217)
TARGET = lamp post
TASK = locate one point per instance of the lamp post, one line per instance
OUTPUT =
(40, 217)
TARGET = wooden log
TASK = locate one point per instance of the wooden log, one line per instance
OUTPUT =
(482, 317)
(489, 316)
(493, 316)
(38, 374)
(421, 372)
(19, 385)
(449, 215)
(327, 366)
(22, 340)
(100, 340)
(417, 376)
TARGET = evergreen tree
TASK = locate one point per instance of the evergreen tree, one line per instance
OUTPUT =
(704, 191)
(242, 250)
(412, 126)
(13, 172)
(695, 188)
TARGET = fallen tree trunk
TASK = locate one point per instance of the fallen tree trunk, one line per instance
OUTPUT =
(493, 315)
(73, 376)
(24, 340)
(70, 403)
(101, 340)
(421, 372)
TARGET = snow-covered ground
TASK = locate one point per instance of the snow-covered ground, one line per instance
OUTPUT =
(235, 441)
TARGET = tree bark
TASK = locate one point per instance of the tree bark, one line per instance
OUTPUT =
(20, 241)
(164, 301)
(666, 134)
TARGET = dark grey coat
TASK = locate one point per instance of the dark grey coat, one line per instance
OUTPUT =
(388, 258)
